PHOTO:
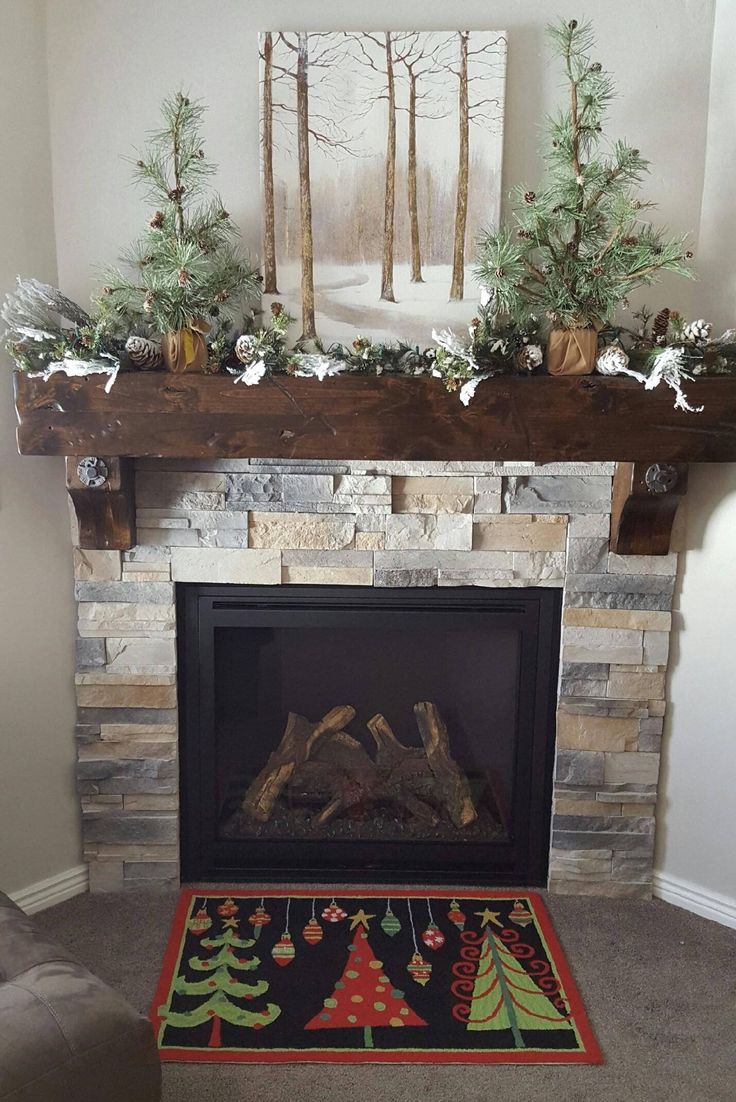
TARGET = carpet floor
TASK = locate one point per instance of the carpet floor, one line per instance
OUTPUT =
(658, 983)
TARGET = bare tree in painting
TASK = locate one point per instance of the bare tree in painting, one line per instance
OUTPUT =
(391, 50)
(468, 111)
(420, 60)
(327, 133)
(269, 216)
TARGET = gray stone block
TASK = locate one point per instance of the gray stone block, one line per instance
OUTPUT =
(103, 769)
(148, 593)
(571, 686)
(593, 671)
(640, 844)
(252, 489)
(650, 743)
(641, 602)
(151, 870)
(87, 733)
(579, 767)
(139, 786)
(627, 824)
(557, 494)
(305, 488)
(631, 868)
(155, 828)
(127, 715)
(619, 583)
(587, 555)
(400, 579)
(90, 654)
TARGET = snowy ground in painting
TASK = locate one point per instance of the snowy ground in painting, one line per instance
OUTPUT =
(347, 303)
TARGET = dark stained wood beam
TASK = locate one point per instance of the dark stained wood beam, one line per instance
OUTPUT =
(105, 512)
(645, 501)
(363, 417)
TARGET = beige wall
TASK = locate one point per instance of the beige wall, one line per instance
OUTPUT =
(119, 58)
(39, 829)
(696, 851)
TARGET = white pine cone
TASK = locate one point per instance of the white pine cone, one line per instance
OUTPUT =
(245, 348)
(611, 360)
(697, 332)
(528, 357)
(144, 353)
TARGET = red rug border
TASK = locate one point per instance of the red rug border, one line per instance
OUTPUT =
(591, 1053)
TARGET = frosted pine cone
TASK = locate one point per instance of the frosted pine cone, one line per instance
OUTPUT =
(245, 348)
(611, 360)
(697, 332)
(144, 353)
(529, 357)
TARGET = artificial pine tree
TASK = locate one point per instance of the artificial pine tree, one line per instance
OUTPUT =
(187, 269)
(578, 245)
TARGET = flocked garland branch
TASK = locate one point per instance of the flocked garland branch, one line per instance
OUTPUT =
(578, 245)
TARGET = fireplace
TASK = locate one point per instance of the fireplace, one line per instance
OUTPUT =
(376, 735)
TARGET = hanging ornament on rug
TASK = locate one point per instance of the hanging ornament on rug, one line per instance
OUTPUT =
(227, 911)
(333, 913)
(697, 332)
(611, 360)
(200, 923)
(144, 353)
(528, 358)
(419, 969)
(283, 951)
(258, 919)
(390, 923)
(313, 932)
(432, 937)
(520, 914)
(455, 915)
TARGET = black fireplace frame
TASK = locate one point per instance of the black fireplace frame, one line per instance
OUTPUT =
(521, 861)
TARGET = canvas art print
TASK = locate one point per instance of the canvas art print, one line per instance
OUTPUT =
(381, 163)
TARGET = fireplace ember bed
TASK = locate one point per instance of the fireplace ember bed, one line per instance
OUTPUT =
(371, 735)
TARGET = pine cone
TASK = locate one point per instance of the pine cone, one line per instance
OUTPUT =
(611, 360)
(660, 325)
(529, 196)
(697, 332)
(144, 353)
(528, 357)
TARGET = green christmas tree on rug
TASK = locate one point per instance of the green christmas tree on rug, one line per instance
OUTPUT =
(220, 988)
(364, 996)
(505, 996)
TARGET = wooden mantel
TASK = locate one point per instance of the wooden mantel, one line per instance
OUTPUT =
(588, 419)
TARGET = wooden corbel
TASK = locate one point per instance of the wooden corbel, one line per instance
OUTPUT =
(645, 501)
(102, 490)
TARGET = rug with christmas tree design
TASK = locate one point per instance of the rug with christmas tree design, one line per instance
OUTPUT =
(465, 977)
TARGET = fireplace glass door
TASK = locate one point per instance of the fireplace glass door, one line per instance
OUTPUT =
(367, 734)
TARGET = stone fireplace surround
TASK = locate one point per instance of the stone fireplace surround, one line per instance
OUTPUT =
(282, 522)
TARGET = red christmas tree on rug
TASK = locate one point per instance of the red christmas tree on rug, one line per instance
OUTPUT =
(364, 995)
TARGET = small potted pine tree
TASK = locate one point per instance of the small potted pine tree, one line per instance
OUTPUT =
(186, 268)
(578, 245)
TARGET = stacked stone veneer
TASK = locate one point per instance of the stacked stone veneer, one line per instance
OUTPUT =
(382, 524)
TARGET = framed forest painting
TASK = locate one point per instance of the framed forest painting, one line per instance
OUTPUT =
(381, 163)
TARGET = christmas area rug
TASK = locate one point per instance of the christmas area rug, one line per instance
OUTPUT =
(472, 977)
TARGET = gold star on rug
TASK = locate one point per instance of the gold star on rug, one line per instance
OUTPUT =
(486, 917)
(360, 918)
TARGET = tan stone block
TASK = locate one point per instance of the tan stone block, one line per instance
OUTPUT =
(631, 768)
(105, 876)
(440, 494)
(327, 575)
(519, 532)
(147, 575)
(585, 807)
(588, 644)
(616, 618)
(116, 851)
(111, 611)
(370, 541)
(101, 802)
(610, 733)
(103, 677)
(630, 809)
(126, 696)
(140, 655)
(150, 803)
(130, 749)
(226, 564)
(148, 732)
(609, 889)
(321, 531)
(581, 864)
(636, 686)
(97, 566)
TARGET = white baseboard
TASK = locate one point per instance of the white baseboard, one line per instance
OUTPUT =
(46, 893)
(681, 893)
